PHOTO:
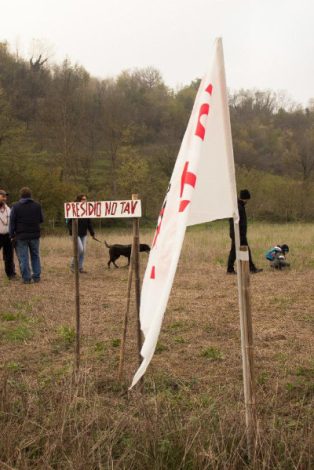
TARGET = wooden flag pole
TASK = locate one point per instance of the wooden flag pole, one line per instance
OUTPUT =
(136, 253)
(246, 343)
(77, 292)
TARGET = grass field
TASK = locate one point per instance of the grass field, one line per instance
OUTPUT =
(190, 414)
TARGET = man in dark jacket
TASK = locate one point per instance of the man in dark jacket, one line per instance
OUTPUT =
(84, 225)
(25, 219)
(244, 197)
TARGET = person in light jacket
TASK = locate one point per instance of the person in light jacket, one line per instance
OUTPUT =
(5, 242)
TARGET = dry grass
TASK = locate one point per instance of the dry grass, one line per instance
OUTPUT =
(190, 414)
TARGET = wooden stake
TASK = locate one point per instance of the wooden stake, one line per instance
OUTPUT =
(134, 265)
(126, 317)
(77, 292)
(136, 251)
(246, 343)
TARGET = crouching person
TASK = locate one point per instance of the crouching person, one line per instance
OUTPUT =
(277, 256)
(25, 219)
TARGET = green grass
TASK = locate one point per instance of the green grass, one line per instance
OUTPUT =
(161, 347)
(179, 340)
(67, 334)
(213, 354)
(178, 325)
(14, 366)
(13, 317)
(190, 413)
(19, 333)
(100, 347)
(115, 343)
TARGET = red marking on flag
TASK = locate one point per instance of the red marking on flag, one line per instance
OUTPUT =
(187, 178)
(152, 273)
(204, 110)
(161, 214)
(200, 129)
(209, 89)
(183, 205)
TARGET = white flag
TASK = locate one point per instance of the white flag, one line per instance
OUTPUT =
(202, 188)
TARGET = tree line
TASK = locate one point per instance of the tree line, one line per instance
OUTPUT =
(63, 131)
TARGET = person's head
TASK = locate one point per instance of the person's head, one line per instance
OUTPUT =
(245, 195)
(3, 197)
(81, 197)
(25, 193)
(284, 248)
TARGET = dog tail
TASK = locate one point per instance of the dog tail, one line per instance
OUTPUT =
(108, 246)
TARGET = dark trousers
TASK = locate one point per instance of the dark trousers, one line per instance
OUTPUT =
(232, 255)
(8, 256)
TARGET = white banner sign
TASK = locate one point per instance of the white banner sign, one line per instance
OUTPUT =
(202, 188)
(102, 209)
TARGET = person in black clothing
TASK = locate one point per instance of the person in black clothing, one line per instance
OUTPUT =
(84, 225)
(244, 197)
(25, 219)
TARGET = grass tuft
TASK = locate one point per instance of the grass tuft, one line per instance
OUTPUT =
(212, 353)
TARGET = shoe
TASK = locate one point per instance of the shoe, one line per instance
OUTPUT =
(82, 271)
(231, 272)
(27, 281)
(13, 278)
(36, 280)
(256, 270)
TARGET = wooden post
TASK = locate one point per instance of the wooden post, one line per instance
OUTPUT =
(77, 292)
(136, 254)
(134, 265)
(126, 317)
(246, 343)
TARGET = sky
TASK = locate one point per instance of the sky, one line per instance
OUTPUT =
(268, 44)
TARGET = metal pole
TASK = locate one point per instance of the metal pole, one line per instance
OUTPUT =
(77, 292)
(243, 276)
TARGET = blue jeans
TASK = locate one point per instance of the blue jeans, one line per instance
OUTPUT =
(24, 249)
(81, 248)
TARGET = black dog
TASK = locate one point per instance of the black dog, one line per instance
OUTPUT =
(115, 251)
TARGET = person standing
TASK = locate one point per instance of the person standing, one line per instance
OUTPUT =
(243, 199)
(5, 241)
(84, 225)
(25, 219)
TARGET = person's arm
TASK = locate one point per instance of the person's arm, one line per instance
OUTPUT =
(70, 226)
(231, 228)
(12, 225)
(90, 228)
(242, 222)
(41, 217)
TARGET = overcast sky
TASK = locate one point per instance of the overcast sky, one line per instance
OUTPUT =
(267, 43)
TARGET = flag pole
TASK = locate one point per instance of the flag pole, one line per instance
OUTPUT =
(242, 257)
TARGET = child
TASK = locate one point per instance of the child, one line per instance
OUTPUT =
(276, 256)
